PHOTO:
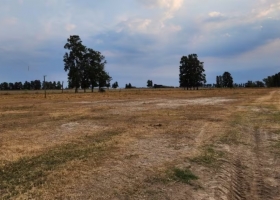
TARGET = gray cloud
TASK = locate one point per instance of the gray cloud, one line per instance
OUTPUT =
(143, 42)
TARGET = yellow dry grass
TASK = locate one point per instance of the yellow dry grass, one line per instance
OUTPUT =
(123, 144)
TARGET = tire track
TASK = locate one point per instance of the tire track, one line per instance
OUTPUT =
(244, 176)
(263, 190)
(239, 186)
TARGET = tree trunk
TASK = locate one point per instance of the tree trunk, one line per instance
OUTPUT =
(84, 90)
(76, 90)
(92, 88)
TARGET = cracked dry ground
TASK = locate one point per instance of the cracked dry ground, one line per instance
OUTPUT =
(128, 145)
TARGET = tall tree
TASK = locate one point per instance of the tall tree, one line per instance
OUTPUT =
(149, 83)
(227, 80)
(26, 85)
(191, 72)
(73, 61)
(115, 85)
(272, 81)
(37, 84)
(58, 85)
(104, 79)
(85, 66)
(219, 82)
(95, 68)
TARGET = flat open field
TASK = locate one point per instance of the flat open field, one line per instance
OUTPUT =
(141, 144)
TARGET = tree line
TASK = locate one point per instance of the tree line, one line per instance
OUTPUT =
(192, 76)
(272, 81)
(86, 69)
(32, 85)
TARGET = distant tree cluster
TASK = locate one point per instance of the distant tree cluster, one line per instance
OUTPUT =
(86, 67)
(149, 83)
(255, 84)
(224, 81)
(129, 86)
(272, 81)
(191, 72)
(32, 85)
(115, 85)
(162, 86)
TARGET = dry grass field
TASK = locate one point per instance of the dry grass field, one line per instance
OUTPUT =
(141, 144)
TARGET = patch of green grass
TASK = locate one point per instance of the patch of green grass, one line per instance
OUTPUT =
(26, 173)
(208, 157)
(184, 175)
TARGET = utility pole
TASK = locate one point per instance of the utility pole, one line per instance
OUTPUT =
(62, 86)
(45, 86)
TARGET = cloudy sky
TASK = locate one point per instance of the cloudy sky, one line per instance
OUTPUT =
(141, 39)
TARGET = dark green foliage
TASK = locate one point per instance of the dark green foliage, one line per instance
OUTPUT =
(34, 85)
(58, 85)
(227, 80)
(73, 61)
(191, 72)
(184, 175)
(115, 85)
(254, 84)
(219, 82)
(26, 85)
(208, 157)
(162, 86)
(84, 65)
(4, 86)
(149, 83)
(272, 81)
(129, 86)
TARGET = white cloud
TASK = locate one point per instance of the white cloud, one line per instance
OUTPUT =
(155, 24)
(170, 4)
(215, 14)
(267, 9)
(70, 27)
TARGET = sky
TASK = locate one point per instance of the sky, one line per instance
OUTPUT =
(141, 39)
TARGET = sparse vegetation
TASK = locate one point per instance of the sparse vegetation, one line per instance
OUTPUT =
(208, 157)
(126, 144)
(20, 176)
(184, 175)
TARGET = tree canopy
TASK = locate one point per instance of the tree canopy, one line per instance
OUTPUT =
(86, 67)
(272, 81)
(191, 72)
(227, 80)
(149, 83)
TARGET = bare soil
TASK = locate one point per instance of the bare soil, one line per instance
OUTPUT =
(127, 145)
